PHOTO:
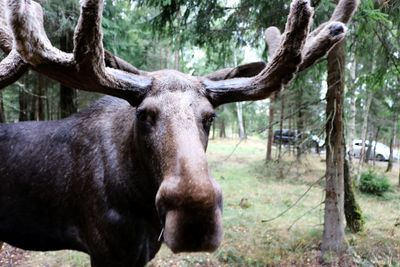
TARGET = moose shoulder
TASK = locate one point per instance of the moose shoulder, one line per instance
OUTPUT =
(121, 177)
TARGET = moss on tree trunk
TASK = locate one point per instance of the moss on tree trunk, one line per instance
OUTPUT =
(352, 211)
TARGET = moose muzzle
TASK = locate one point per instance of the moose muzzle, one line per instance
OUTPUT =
(191, 210)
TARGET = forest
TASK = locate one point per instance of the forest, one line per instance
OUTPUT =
(310, 175)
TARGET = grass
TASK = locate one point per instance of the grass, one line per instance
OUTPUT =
(253, 192)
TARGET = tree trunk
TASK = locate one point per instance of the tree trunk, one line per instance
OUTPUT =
(239, 112)
(364, 129)
(167, 58)
(352, 129)
(23, 101)
(354, 218)
(281, 125)
(48, 107)
(290, 127)
(300, 125)
(392, 141)
(368, 156)
(161, 58)
(177, 59)
(333, 235)
(41, 98)
(33, 99)
(352, 116)
(270, 137)
(222, 132)
(67, 101)
(2, 113)
(376, 142)
(213, 131)
(67, 95)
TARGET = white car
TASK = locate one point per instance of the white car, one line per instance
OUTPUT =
(382, 151)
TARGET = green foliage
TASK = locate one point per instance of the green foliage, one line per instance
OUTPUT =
(374, 183)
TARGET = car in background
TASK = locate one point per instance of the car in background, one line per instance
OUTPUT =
(286, 136)
(295, 137)
(379, 151)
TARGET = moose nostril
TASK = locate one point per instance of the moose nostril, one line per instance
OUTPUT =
(336, 29)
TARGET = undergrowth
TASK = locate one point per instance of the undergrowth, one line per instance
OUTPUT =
(292, 229)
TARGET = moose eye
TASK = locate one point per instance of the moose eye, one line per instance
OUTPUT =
(146, 116)
(208, 120)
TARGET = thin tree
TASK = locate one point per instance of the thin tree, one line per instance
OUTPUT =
(272, 38)
(333, 234)
(67, 95)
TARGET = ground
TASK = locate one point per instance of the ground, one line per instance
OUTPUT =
(256, 231)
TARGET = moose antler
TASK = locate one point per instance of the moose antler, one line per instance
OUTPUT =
(11, 67)
(297, 50)
(84, 69)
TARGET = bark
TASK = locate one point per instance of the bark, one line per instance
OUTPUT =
(167, 57)
(2, 113)
(290, 127)
(333, 235)
(222, 132)
(48, 107)
(67, 101)
(161, 58)
(23, 105)
(281, 126)
(353, 213)
(363, 137)
(67, 95)
(369, 148)
(41, 98)
(33, 99)
(177, 59)
(352, 116)
(270, 128)
(239, 113)
(213, 131)
(300, 125)
(23, 101)
(376, 142)
(392, 141)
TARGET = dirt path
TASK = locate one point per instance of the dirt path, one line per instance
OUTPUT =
(11, 257)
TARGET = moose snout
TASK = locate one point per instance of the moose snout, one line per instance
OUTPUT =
(191, 212)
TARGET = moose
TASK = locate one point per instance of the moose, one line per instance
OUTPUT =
(130, 172)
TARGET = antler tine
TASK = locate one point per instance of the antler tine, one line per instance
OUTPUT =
(279, 70)
(5, 33)
(88, 38)
(292, 55)
(85, 68)
(12, 66)
(321, 41)
(324, 37)
(344, 10)
(272, 36)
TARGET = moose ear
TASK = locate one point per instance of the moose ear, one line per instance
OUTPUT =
(246, 70)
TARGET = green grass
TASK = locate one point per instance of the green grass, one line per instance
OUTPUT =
(253, 192)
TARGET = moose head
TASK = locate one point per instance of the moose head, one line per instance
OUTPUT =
(170, 113)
